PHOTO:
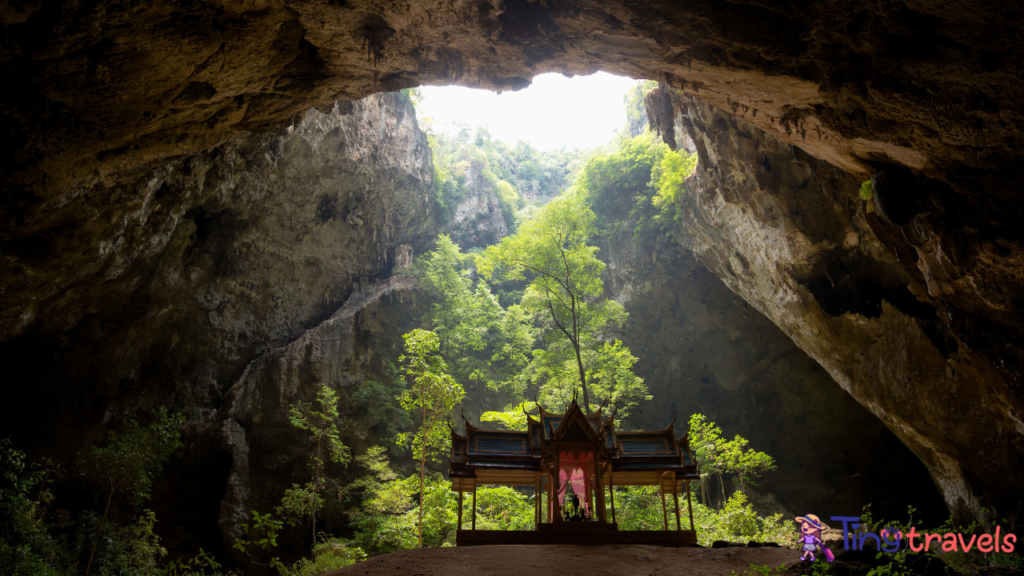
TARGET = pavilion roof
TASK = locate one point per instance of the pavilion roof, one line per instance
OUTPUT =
(638, 454)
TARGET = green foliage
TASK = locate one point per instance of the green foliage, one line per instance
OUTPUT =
(636, 110)
(460, 315)
(382, 525)
(388, 517)
(516, 172)
(643, 178)
(737, 520)
(300, 502)
(130, 462)
(260, 534)
(744, 463)
(503, 508)
(907, 562)
(718, 456)
(134, 456)
(327, 556)
(865, 194)
(195, 565)
(25, 545)
(38, 541)
(434, 395)
(513, 417)
(414, 95)
(674, 169)
(615, 182)
(509, 201)
(320, 420)
(865, 190)
(564, 293)
(639, 508)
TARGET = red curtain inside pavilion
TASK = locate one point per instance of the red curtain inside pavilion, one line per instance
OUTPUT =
(579, 471)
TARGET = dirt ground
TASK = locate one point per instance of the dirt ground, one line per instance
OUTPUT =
(570, 561)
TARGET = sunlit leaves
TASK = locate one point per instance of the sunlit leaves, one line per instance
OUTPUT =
(513, 417)
(432, 396)
(564, 295)
(320, 420)
(718, 456)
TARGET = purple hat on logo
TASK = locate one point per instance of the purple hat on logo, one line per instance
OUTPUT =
(812, 520)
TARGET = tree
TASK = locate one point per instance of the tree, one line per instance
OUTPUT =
(458, 315)
(321, 422)
(434, 394)
(718, 456)
(669, 175)
(478, 339)
(131, 460)
(550, 251)
(745, 463)
(381, 520)
(707, 443)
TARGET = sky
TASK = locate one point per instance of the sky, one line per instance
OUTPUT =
(553, 112)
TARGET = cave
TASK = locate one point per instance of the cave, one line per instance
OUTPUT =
(206, 203)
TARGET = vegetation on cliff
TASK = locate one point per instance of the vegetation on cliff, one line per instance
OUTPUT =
(519, 175)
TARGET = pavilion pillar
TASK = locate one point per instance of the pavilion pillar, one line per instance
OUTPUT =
(536, 504)
(611, 490)
(557, 507)
(675, 497)
(460, 506)
(474, 507)
(551, 501)
(664, 507)
(689, 504)
(599, 489)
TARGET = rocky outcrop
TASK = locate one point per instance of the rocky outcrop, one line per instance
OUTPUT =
(268, 453)
(701, 348)
(788, 234)
(162, 289)
(477, 220)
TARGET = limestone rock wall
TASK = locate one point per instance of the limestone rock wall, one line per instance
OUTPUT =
(477, 219)
(787, 233)
(163, 288)
(701, 348)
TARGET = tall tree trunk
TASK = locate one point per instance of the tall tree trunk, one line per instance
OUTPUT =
(721, 483)
(583, 378)
(314, 525)
(103, 521)
(423, 463)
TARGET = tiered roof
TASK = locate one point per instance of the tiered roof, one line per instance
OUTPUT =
(512, 457)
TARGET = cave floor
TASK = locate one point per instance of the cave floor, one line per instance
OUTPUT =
(570, 561)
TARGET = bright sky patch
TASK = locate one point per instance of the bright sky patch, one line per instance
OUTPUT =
(553, 112)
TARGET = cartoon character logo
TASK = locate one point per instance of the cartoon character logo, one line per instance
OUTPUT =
(810, 538)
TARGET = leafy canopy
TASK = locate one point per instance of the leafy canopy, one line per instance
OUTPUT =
(564, 294)
(434, 394)
(513, 417)
(132, 457)
(320, 420)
